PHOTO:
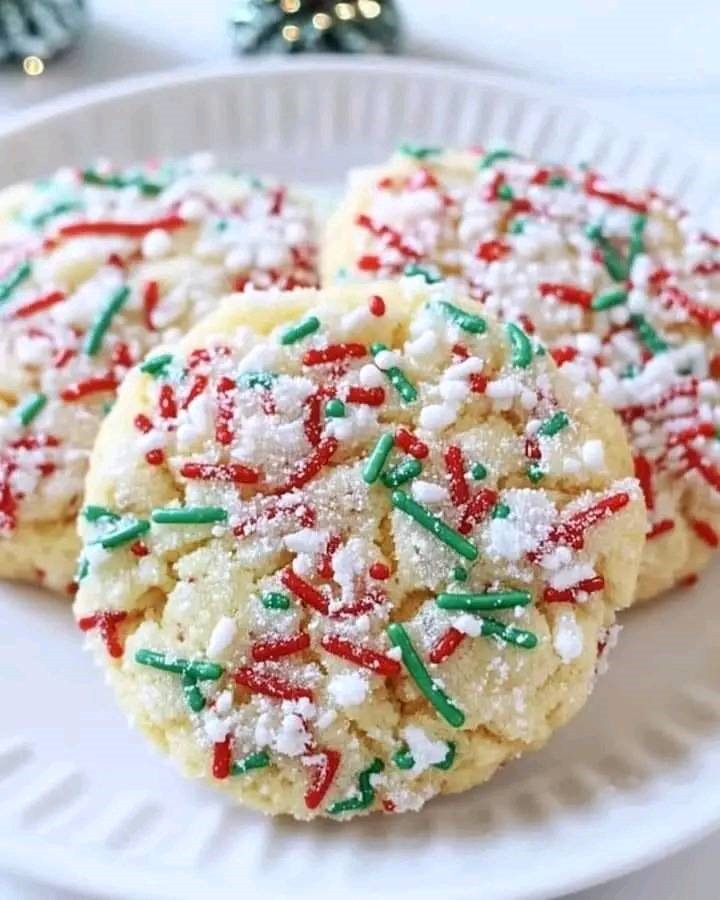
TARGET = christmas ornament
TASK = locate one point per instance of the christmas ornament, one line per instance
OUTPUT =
(291, 26)
(38, 29)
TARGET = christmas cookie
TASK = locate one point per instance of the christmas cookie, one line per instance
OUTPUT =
(97, 267)
(621, 285)
(380, 556)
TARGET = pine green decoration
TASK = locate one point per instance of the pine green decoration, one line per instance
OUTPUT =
(38, 28)
(315, 26)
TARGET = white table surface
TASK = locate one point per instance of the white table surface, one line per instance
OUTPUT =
(659, 66)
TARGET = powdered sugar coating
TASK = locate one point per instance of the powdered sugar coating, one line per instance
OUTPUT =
(306, 542)
(97, 267)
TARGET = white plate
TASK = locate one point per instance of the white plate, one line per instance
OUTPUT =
(84, 803)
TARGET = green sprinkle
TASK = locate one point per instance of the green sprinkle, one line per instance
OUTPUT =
(258, 379)
(377, 458)
(505, 192)
(460, 573)
(301, 330)
(14, 279)
(500, 511)
(189, 515)
(107, 406)
(637, 238)
(647, 335)
(157, 365)
(366, 796)
(403, 758)
(31, 408)
(192, 693)
(92, 513)
(430, 277)
(409, 468)
(484, 601)
(435, 525)
(557, 181)
(396, 377)
(554, 424)
(630, 371)
(616, 266)
(508, 633)
(94, 337)
(198, 669)
(418, 151)
(467, 321)
(478, 471)
(149, 188)
(335, 409)
(535, 473)
(520, 346)
(42, 218)
(495, 156)
(258, 760)
(123, 535)
(447, 763)
(609, 299)
(420, 675)
(517, 226)
(275, 600)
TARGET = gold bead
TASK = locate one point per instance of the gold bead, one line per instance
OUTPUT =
(291, 33)
(345, 11)
(321, 21)
(370, 9)
(33, 65)
(290, 6)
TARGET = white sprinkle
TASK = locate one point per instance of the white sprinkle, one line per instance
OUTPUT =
(470, 366)
(371, 376)
(238, 259)
(593, 454)
(193, 209)
(156, 244)
(423, 345)
(427, 492)
(470, 625)
(387, 359)
(222, 636)
(348, 689)
(567, 638)
(424, 750)
(438, 416)
(503, 388)
(292, 736)
(453, 389)
(571, 575)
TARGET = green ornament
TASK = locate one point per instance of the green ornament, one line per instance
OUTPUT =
(315, 26)
(36, 30)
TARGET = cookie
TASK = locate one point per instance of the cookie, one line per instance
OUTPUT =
(381, 556)
(97, 267)
(621, 285)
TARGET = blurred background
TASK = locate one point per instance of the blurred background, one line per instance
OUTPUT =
(655, 58)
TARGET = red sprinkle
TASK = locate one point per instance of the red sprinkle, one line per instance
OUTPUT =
(367, 396)
(369, 263)
(94, 385)
(222, 758)
(407, 441)
(155, 457)
(643, 473)
(232, 472)
(378, 663)
(569, 595)
(198, 385)
(705, 532)
(139, 549)
(167, 403)
(379, 571)
(150, 299)
(143, 423)
(277, 648)
(270, 685)
(490, 251)
(309, 467)
(566, 293)
(476, 510)
(323, 775)
(446, 645)
(563, 354)
(333, 353)
(224, 432)
(125, 229)
(661, 527)
(377, 305)
(36, 306)
(304, 591)
(615, 198)
(107, 624)
(705, 316)
(572, 531)
(688, 581)
(478, 383)
(325, 566)
(455, 465)
(708, 472)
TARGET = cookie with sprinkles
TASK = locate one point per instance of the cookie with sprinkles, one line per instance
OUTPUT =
(622, 286)
(98, 266)
(380, 557)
